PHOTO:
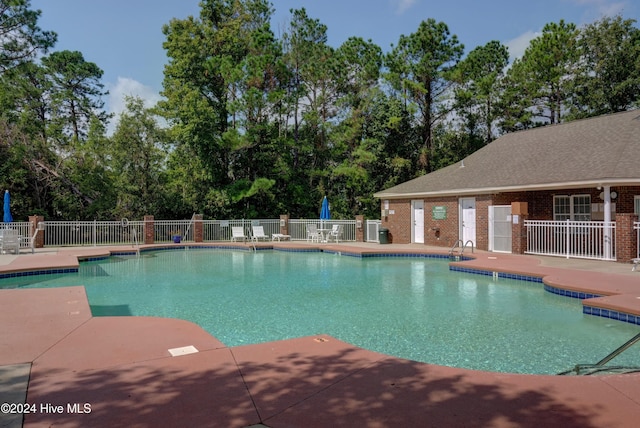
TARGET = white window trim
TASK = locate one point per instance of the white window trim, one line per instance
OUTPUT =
(572, 198)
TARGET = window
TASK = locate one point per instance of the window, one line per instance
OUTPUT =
(636, 205)
(572, 207)
(561, 208)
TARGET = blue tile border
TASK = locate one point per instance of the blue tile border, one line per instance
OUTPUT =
(569, 293)
(497, 274)
(609, 313)
(297, 250)
(96, 259)
(38, 272)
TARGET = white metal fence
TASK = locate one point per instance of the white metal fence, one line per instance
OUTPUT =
(220, 230)
(577, 239)
(92, 233)
(298, 228)
(21, 227)
(97, 233)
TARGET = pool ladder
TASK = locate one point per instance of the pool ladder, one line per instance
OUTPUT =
(462, 246)
(134, 241)
(588, 369)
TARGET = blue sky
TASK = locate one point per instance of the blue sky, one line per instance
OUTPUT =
(124, 37)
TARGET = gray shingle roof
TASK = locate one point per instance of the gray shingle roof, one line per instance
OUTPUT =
(604, 150)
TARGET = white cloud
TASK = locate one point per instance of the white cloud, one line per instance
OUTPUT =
(518, 45)
(401, 6)
(127, 87)
(602, 7)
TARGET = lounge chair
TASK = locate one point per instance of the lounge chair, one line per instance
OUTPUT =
(313, 234)
(335, 233)
(280, 236)
(237, 232)
(258, 233)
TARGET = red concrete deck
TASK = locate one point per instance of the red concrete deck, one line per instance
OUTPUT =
(121, 367)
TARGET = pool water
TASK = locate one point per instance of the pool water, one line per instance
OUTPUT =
(412, 308)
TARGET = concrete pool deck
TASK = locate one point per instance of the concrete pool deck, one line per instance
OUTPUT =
(76, 370)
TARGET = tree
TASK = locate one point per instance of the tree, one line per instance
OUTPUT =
(138, 161)
(354, 152)
(480, 75)
(420, 68)
(540, 79)
(607, 78)
(75, 94)
(21, 38)
(222, 87)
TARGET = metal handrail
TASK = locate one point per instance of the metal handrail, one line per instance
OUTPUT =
(618, 351)
(459, 241)
(134, 241)
(600, 364)
(465, 246)
(193, 216)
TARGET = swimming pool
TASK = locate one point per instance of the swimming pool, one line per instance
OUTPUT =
(412, 308)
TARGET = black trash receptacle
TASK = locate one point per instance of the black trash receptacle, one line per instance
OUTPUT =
(383, 235)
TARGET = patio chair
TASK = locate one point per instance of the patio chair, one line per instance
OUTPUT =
(312, 233)
(335, 233)
(258, 233)
(237, 232)
(9, 241)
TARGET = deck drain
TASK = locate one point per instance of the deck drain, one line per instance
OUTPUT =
(185, 350)
(320, 339)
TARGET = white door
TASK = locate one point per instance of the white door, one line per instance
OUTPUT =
(468, 220)
(500, 228)
(417, 220)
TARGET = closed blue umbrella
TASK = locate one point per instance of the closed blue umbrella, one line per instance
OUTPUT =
(7, 218)
(325, 214)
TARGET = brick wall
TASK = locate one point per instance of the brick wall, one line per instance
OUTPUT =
(626, 237)
(443, 233)
(398, 223)
(446, 232)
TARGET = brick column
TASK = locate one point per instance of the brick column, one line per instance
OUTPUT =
(284, 224)
(519, 211)
(626, 237)
(149, 229)
(198, 228)
(360, 228)
(33, 226)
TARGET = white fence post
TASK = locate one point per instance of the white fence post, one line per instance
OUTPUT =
(568, 235)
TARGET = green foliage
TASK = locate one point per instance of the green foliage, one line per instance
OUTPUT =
(421, 68)
(479, 76)
(541, 77)
(138, 158)
(21, 39)
(608, 72)
(75, 94)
